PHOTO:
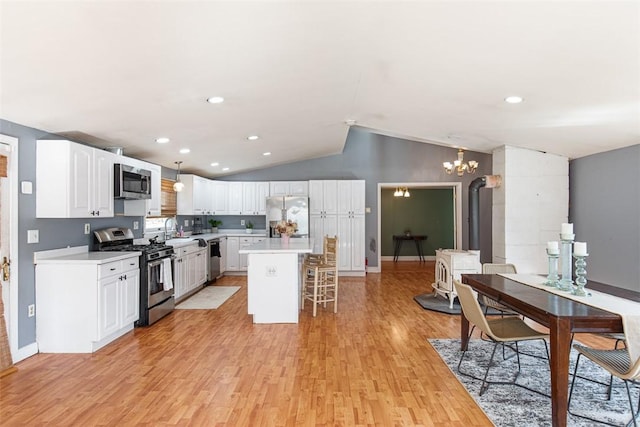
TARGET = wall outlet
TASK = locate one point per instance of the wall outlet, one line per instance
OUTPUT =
(33, 236)
(136, 225)
(87, 228)
(271, 271)
(242, 222)
(31, 310)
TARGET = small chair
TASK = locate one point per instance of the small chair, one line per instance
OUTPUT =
(320, 277)
(490, 268)
(619, 364)
(500, 331)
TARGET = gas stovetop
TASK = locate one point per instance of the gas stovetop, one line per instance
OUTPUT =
(121, 239)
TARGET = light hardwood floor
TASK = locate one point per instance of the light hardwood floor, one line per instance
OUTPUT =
(369, 364)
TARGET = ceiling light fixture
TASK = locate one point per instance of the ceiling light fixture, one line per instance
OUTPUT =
(162, 140)
(253, 137)
(184, 151)
(178, 185)
(215, 100)
(268, 153)
(513, 99)
(225, 169)
(402, 192)
(459, 165)
(215, 164)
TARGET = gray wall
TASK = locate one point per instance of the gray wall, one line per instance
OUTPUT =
(54, 233)
(604, 192)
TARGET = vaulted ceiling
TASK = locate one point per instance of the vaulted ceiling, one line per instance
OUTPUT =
(298, 74)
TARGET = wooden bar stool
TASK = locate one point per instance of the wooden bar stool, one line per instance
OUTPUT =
(320, 277)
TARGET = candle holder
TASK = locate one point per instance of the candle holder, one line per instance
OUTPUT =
(552, 277)
(581, 275)
(566, 244)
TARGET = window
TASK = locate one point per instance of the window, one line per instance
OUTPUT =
(168, 209)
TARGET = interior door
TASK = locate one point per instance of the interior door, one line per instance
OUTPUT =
(8, 222)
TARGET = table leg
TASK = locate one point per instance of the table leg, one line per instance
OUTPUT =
(560, 340)
(396, 250)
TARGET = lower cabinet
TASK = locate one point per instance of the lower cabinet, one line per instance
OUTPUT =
(235, 261)
(351, 250)
(189, 270)
(223, 253)
(81, 307)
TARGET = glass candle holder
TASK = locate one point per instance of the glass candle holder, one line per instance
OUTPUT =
(552, 277)
(566, 245)
(581, 276)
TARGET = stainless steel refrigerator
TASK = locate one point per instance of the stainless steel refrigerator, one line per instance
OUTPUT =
(285, 208)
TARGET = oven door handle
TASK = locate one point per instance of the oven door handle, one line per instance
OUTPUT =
(160, 261)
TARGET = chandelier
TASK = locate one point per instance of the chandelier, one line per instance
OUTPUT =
(402, 192)
(459, 165)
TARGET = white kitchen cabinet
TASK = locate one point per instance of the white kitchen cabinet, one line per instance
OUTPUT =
(73, 180)
(190, 270)
(320, 226)
(244, 243)
(351, 243)
(233, 258)
(220, 190)
(223, 255)
(84, 305)
(235, 199)
(351, 199)
(254, 198)
(323, 197)
(289, 188)
(196, 197)
(147, 207)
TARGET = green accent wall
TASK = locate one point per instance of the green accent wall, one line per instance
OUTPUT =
(428, 212)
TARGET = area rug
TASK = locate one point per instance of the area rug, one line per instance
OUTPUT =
(432, 302)
(211, 297)
(510, 405)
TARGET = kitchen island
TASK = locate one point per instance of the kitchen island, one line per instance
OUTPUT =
(273, 279)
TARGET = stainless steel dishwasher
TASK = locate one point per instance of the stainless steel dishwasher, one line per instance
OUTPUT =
(214, 259)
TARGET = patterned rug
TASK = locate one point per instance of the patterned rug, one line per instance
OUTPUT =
(211, 297)
(509, 405)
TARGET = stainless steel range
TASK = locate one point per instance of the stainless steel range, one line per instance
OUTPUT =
(156, 271)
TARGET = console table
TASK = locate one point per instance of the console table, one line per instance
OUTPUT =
(398, 239)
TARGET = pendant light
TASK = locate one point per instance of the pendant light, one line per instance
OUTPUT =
(178, 185)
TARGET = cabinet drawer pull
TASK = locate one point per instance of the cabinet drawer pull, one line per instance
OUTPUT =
(112, 269)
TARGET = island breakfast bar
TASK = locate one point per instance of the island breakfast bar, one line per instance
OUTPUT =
(273, 279)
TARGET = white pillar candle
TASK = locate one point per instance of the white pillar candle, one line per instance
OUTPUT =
(566, 228)
(553, 248)
(580, 248)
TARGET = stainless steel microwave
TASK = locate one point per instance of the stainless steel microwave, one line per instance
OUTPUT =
(131, 182)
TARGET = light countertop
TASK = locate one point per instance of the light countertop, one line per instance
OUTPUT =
(178, 242)
(278, 245)
(88, 258)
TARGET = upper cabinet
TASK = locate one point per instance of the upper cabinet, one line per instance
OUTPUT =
(196, 197)
(235, 198)
(254, 198)
(323, 197)
(220, 191)
(73, 180)
(351, 197)
(289, 188)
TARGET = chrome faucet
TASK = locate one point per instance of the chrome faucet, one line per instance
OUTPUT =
(168, 234)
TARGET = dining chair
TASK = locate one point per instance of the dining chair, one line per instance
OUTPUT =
(492, 268)
(320, 277)
(501, 330)
(619, 364)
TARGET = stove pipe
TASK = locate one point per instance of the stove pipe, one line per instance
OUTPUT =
(489, 181)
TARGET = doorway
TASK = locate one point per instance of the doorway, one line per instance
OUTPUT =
(452, 204)
(9, 239)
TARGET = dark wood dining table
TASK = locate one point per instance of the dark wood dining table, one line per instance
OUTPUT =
(563, 317)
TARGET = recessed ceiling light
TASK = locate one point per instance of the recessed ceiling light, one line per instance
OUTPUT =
(252, 137)
(513, 99)
(215, 100)
(268, 153)
(225, 169)
(215, 164)
(162, 140)
(184, 150)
